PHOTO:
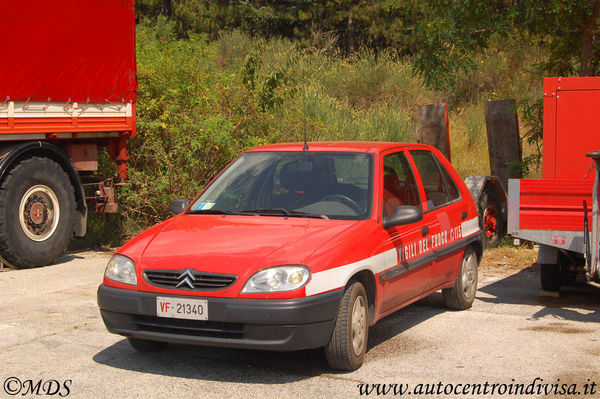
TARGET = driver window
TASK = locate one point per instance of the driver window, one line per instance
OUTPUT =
(399, 184)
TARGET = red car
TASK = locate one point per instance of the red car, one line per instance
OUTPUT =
(293, 248)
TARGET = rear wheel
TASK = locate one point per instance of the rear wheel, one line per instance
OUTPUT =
(550, 275)
(462, 295)
(37, 206)
(348, 343)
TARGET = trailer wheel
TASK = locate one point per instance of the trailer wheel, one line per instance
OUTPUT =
(490, 218)
(550, 275)
(37, 205)
(348, 344)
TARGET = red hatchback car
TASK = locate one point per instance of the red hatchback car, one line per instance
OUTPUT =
(293, 248)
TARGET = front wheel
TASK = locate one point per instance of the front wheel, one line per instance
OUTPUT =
(348, 344)
(462, 295)
(37, 213)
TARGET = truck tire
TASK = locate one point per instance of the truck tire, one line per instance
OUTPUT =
(37, 206)
(550, 276)
(462, 295)
(348, 344)
(490, 217)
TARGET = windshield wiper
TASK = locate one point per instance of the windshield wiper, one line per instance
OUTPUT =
(283, 212)
(210, 212)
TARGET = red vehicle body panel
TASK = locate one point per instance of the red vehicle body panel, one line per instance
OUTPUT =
(550, 210)
(571, 121)
(44, 57)
(69, 67)
(554, 204)
(334, 250)
(53, 127)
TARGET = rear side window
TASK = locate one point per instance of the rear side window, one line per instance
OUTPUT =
(439, 187)
(450, 184)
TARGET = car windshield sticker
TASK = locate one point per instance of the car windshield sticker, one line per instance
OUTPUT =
(204, 206)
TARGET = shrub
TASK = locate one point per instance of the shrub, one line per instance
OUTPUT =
(202, 102)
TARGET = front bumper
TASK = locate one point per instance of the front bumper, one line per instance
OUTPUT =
(266, 324)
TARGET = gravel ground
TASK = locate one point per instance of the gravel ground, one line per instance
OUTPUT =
(52, 331)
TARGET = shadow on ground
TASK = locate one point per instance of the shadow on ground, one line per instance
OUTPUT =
(62, 259)
(580, 302)
(386, 338)
(68, 257)
(247, 366)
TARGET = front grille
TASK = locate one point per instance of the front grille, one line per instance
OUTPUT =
(197, 328)
(182, 279)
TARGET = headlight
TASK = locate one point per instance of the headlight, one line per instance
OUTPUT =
(277, 279)
(121, 269)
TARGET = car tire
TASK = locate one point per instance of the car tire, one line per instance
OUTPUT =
(146, 345)
(348, 344)
(462, 295)
(37, 209)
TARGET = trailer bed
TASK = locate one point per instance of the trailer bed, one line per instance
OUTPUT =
(549, 211)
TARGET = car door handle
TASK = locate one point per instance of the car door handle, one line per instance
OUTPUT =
(463, 215)
(425, 231)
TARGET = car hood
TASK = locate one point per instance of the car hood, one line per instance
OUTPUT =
(230, 244)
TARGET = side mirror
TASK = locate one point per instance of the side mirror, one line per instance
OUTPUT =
(178, 206)
(402, 215)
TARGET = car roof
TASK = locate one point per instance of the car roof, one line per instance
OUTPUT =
(338, 146)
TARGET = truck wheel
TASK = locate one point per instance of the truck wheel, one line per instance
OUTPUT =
(37, 205)
(462, 295)
(348, 344)
(490, 218)
(550, 275)
(146, 345)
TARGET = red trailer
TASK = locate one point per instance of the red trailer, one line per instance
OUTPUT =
(555, 211)
(67, 88)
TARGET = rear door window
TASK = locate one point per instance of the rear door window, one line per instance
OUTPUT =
(439, 187)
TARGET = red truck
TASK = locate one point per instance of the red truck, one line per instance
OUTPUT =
(560, 211)
(67, 89)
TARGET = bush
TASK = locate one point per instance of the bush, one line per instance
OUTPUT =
(192, 120)
(202, 102)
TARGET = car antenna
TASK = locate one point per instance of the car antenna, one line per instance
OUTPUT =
(305, 142)
(305, 148)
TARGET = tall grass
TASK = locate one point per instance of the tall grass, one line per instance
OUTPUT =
(202, 102)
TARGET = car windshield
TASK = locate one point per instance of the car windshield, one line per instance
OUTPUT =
(328, 185)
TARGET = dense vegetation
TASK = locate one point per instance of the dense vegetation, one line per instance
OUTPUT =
(217, 77)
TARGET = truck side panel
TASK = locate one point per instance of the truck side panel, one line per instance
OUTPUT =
(549, 212)
(554, 204)
(21, 121)
(571, 121)
(68, 50)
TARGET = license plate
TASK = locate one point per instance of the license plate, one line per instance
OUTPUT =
(179, 308)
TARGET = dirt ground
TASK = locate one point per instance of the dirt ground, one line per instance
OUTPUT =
(52, 331)
(507, 260)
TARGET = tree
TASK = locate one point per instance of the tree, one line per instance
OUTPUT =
(452, 31)
(571, 27)
(377, 24)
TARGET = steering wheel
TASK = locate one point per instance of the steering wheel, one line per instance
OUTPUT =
(349, 202)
